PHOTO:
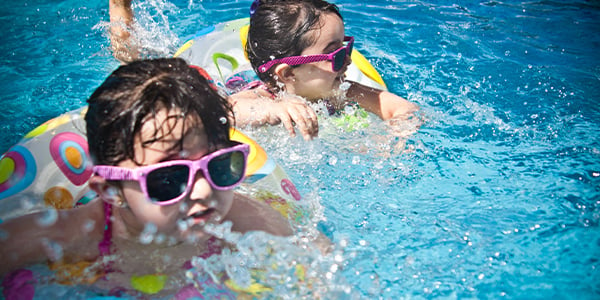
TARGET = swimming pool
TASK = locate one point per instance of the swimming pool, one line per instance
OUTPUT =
(496, 196)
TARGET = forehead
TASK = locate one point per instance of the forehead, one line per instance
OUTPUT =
(169, 134)
(330, 29)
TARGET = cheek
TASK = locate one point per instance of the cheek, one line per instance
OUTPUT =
(145, 212)
(315, 82)
(224, 200)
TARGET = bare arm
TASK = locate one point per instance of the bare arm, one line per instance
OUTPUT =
(384, 104)
(29, 239)
(121, 19)
(249, 215)
(257, 108)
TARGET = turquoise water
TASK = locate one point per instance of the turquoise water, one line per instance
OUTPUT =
(496, 196)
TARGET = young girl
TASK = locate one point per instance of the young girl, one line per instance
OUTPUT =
(165, 167)
(300, 48)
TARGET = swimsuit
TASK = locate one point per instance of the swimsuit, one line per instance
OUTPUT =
(104, 245)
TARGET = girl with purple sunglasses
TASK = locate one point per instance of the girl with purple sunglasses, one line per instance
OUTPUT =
(158, 135)
(300, 48)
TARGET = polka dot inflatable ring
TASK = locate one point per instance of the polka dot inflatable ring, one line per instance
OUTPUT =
(49, 167)
(17, 171)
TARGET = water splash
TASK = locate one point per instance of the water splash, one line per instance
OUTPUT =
(272, 267)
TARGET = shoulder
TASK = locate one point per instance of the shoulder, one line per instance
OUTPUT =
(30, 238)
(248, 214)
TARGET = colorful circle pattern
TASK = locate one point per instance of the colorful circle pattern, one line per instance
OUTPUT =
(17, 171)
(70, 153)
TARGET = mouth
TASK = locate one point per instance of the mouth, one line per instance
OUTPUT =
(200, 217)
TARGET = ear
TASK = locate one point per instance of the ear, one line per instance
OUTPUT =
(106, 191)
(284, 73)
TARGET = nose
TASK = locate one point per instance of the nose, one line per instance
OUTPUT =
(201, 189)
(347, 62)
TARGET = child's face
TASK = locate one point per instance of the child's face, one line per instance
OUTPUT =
(185, 218)
(317, 80)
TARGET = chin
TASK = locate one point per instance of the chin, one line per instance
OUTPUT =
(195, 236)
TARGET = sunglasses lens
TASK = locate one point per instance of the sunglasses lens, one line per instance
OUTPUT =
(227, 169)
(350, 47)
(167, 183)
(339, 59)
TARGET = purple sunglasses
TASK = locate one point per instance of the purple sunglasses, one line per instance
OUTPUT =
(337, 58)
(168, 182)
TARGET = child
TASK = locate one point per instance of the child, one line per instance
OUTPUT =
(164, 167)
(306, 58)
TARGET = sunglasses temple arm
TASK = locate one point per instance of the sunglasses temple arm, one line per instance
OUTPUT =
(114, 173)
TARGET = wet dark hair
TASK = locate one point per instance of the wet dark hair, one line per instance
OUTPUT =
(278, 28)
(134, 93)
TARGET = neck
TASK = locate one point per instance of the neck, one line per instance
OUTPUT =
(124, 224)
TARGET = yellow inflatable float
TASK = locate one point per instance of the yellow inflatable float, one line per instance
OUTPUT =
(219, 49)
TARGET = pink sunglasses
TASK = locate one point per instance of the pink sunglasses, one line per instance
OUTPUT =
(168, 182)
(337, 58)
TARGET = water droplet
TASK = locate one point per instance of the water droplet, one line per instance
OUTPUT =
(48, 217)
(183, 207)
(88, 226)
(344, 86)
(333, 160)
(147, 234)
(54, 249)
(184, 153)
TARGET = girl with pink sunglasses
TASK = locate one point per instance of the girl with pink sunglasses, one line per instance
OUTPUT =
(164, 167)
(300, 48)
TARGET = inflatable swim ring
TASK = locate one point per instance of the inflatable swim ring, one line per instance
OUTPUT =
(219, 49)
(50, 167)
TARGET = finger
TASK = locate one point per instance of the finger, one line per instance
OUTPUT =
(288, 124)
(303, 125)
(309, 119)
(314, 121)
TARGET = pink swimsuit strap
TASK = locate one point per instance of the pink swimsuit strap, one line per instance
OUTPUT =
(104, 245)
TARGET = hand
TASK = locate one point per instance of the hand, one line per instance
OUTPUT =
(256, 108)
(121, 19)
(295, 112)
(121, 45)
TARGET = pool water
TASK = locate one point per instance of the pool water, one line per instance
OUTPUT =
(496, 196)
